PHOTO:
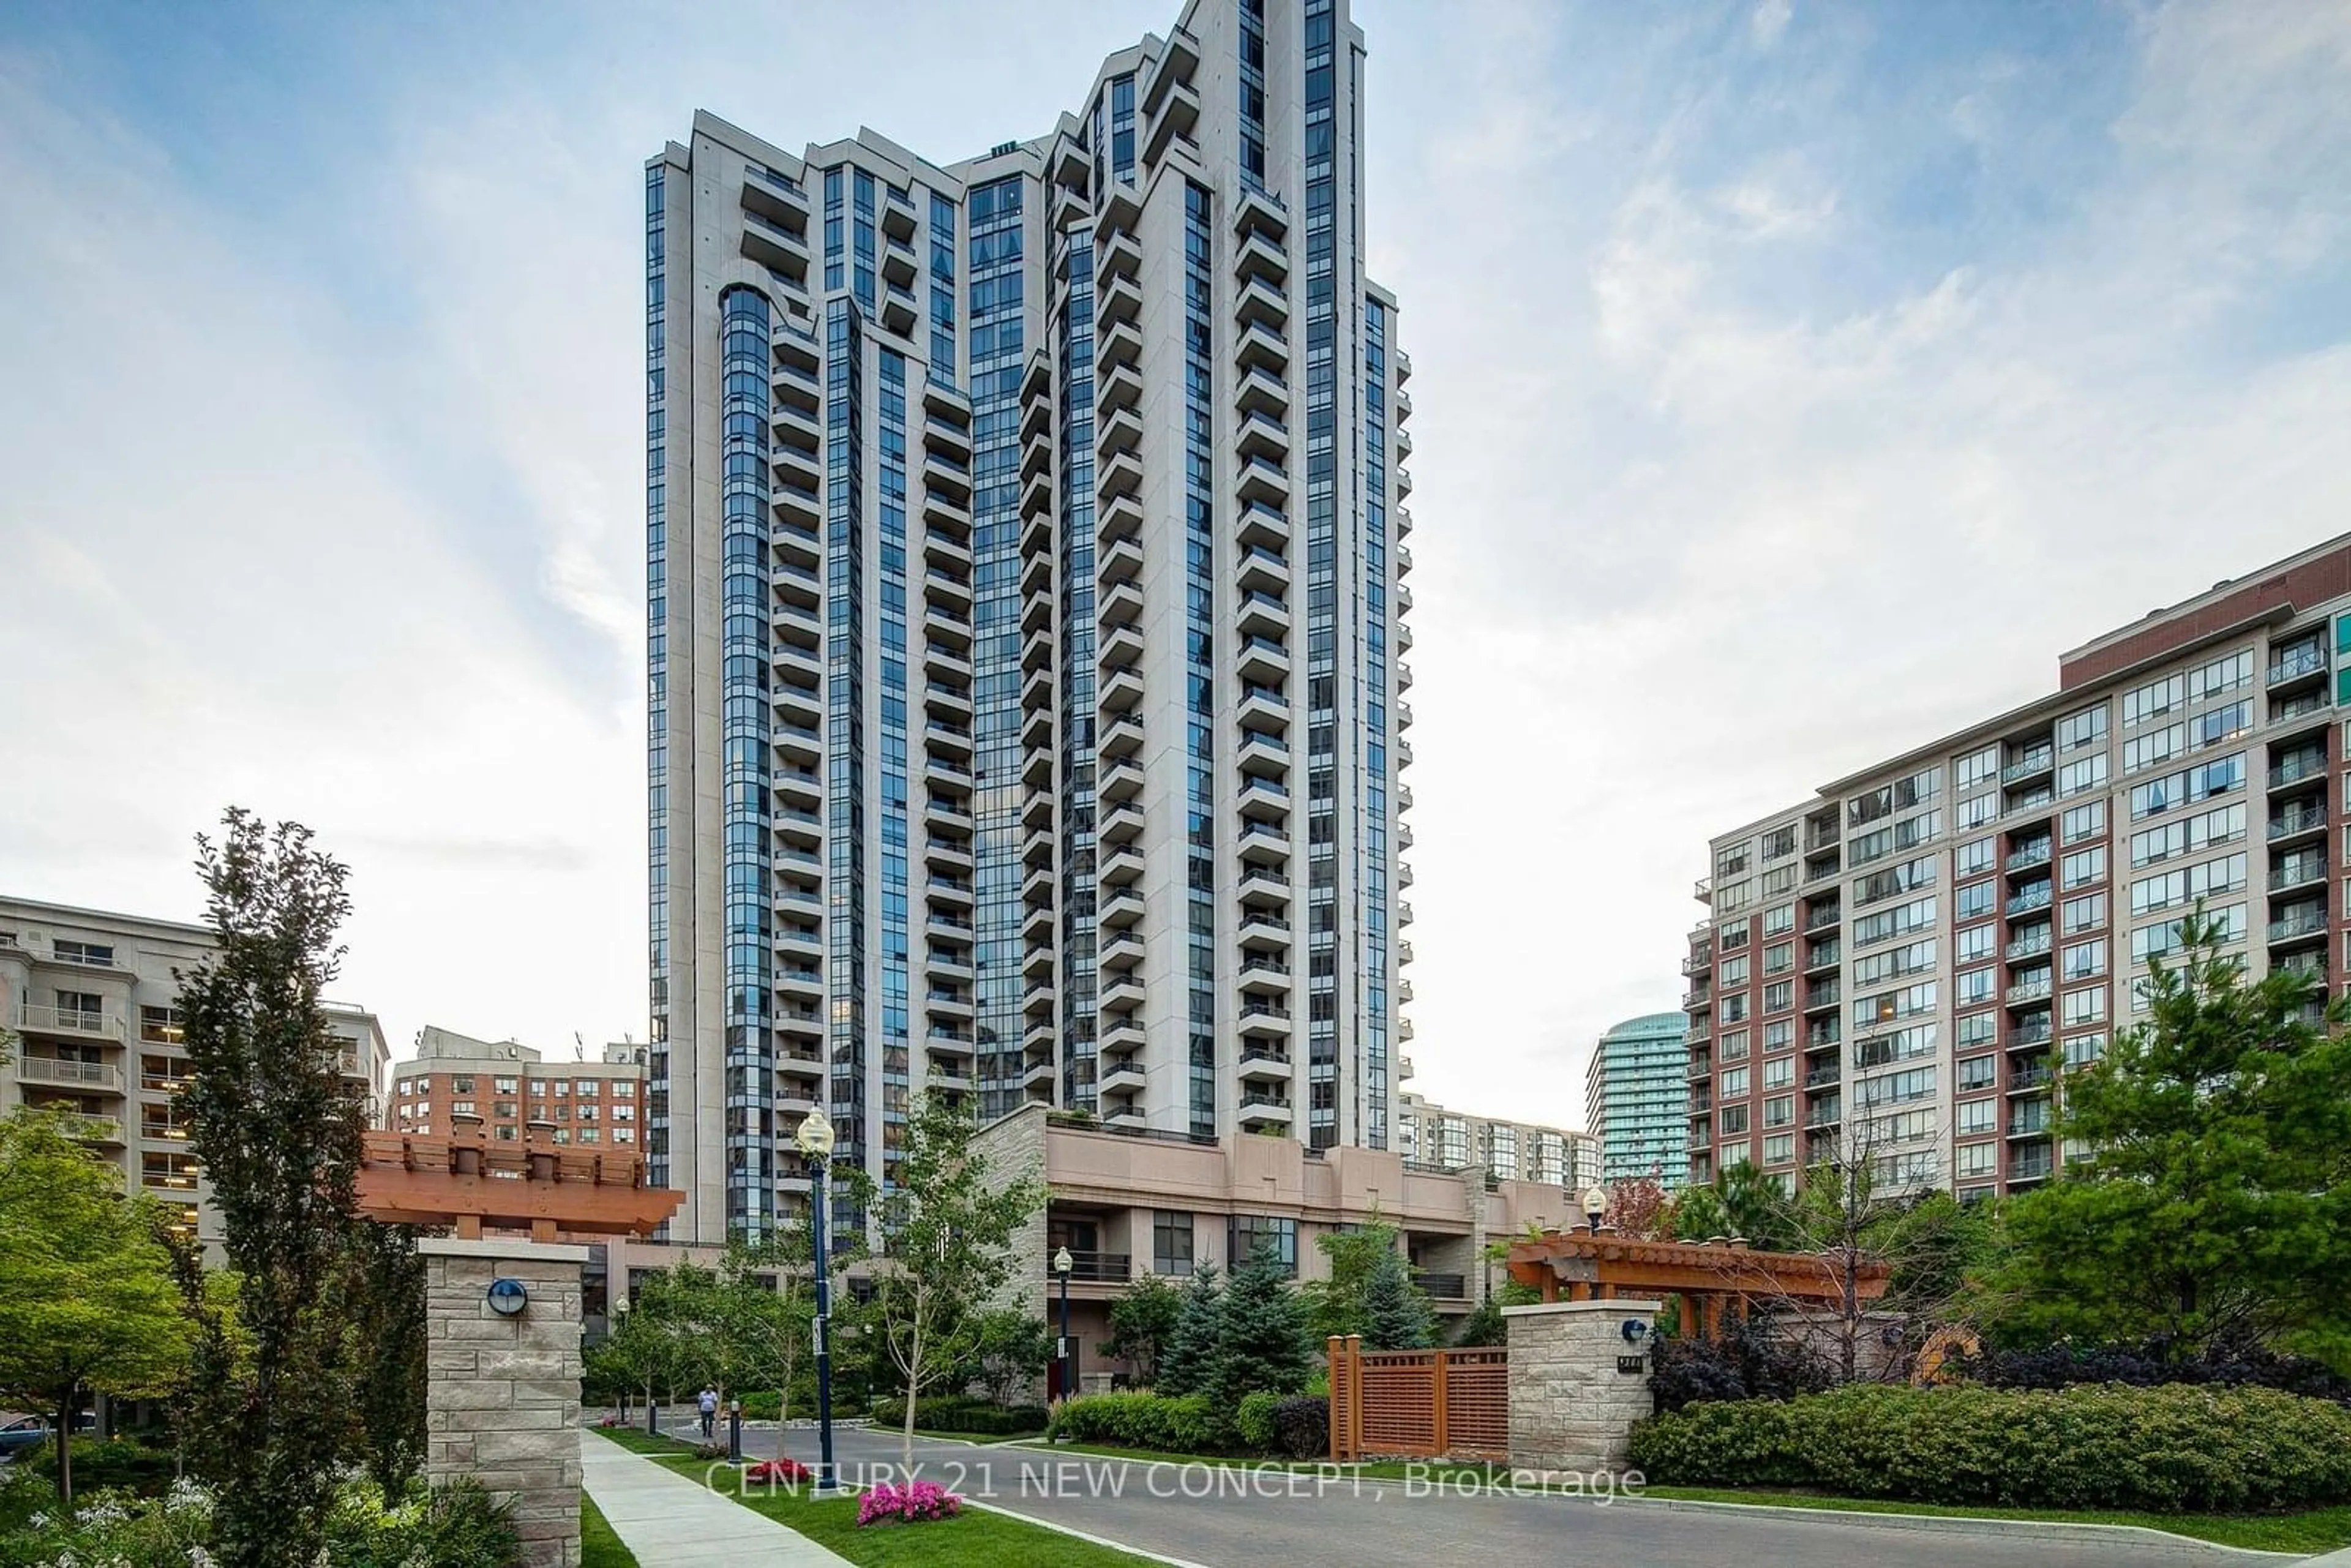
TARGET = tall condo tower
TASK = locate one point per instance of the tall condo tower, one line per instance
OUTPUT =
(1026, 621)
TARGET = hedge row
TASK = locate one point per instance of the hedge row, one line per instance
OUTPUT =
(956, 1413)
(2177, 1449)
(1176, 1423)
(1297, 1425)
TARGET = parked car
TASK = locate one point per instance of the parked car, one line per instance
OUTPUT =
(19, 1432)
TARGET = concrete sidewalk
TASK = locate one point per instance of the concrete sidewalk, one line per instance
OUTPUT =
(669, 1520)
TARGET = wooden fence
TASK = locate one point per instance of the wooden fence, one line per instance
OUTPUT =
(1430, 1404)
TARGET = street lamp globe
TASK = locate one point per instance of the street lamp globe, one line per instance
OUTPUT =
(815, 1134)
(1595, 1203)
(1063, 1262)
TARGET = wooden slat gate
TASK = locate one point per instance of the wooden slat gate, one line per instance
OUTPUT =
(1423, 1404)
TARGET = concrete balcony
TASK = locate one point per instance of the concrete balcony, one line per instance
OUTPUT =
(1121, 737)
(1123, 1076)
(1261, 299)
(1261, 346)
(1261, 614)
(85, 1075)
(1121, 866)
(1260, 1111)
(1257, 525)
(1260, 255)
(1122, 993)
(1261, 658)
(1261, 390)
(1177, 116)
(70, 1023)
(1122, 684)
(1121, 824)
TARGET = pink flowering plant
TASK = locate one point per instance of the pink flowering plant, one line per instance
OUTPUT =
(910, 1504)
(777, 1473)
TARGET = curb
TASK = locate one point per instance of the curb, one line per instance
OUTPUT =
(1961, 1524)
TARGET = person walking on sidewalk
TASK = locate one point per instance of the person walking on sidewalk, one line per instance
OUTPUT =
(709, 1412)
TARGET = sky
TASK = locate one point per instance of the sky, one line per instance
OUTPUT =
(1792, 382)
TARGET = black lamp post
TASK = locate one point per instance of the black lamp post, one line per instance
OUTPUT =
(815, 1141)
(1062, 1264)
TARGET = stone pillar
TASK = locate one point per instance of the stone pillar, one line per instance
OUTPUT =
(502, 1399)
(1576, 1387)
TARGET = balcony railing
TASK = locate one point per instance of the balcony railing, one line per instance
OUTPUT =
(2026, 856)
(2038, 760)
(2301, 923)
(2025, 991)
(1097, 1268)
(1444, 1287)
(2031, 947)
(2294, 770)
(1820, 915)
(43, 1018)
(2029, 1165)
(2286, 824)
(2035, 897)
(2297, 873)
(2295, 662)
(54, 1070)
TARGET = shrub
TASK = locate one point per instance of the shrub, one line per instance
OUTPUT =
(2150, 1364)
(912, 1503)
(1301, 1426)
(1253, 1421)
(1176, 1423)
(116, 1462)
(956, 1413)
(2175, 1448)
(1752, 1363)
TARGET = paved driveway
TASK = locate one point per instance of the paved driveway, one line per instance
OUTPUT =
(1161, 1509)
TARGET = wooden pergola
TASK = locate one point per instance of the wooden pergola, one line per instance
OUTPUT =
(469, 1181)
(1706, 1276)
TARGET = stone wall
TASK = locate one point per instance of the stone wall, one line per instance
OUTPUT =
(1573, 1393)
(502, 1400)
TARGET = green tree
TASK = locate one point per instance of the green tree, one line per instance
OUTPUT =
(2213, 1202)
(1009, 1349)
(1189, 1357)
(87, 1301)
(1261, 1334)
(278, 1134)
(1340, 1303)
(1396, 1311)
(766, 1314)
(1485, 1325)
(945, 1229)
(1143, 1322)
(1741, 1201)
(387, 1333)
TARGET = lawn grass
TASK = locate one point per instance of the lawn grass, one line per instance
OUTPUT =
(975, 1538)
(2318, 1529)
(598, 1547)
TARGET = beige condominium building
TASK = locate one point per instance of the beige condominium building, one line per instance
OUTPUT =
(94, 1002)
(1027, 619)
(1900, 969)
(1128, 1204)
(514, 1093)
(1430, 1136)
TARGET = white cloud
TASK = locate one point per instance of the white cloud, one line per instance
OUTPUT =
(1767, 21)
